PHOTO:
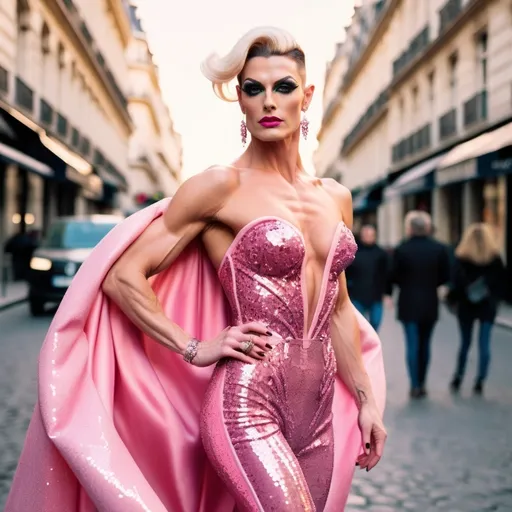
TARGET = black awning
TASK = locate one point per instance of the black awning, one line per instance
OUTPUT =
(368, 198)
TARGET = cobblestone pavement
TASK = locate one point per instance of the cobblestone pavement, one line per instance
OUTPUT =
(443, 454)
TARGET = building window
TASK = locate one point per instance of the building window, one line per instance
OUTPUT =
(61, 56)
(431, 89)
(452, 77)
(481, 59)
(23, 28)
(45, 39)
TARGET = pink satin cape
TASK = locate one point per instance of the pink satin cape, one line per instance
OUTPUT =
(116, 425)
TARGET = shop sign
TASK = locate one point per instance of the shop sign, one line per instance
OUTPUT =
(459, 172)
(503, 165)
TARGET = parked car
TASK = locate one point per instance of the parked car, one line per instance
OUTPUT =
(55, 262)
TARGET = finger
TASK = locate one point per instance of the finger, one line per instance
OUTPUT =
(374, 460)
(240, 356)
(366, 436)
(262, 344)
(362, 461)
(256, 327)
(379, 442)
(256, 353)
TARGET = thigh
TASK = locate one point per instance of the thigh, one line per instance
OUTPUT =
(466, 329)
(245, 444)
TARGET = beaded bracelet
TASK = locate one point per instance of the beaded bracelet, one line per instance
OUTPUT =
(191, 350)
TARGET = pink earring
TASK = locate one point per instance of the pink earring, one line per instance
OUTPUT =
(243, 132)
(304, 127)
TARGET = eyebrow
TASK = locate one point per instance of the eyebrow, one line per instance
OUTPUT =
(280, 81)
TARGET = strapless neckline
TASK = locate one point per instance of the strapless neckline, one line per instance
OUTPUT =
(258, 220)
(316, 306)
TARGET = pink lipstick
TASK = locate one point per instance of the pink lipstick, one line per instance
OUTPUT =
(270, 122)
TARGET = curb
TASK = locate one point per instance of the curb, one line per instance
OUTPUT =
(504, 322)
(14, 302)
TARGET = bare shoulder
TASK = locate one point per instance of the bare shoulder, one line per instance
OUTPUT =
(338, 191)
(202, 195)
(342, 196)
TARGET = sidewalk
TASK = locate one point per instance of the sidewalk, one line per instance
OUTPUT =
(16, 293)
(504, 317)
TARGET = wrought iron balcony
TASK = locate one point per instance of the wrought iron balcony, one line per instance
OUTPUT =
(448, 13)
(45, 113)
(448, 124)
(416, 47)
(475, 109)
(4, 80)
(366, 119)
(415, 143)
(24, 96)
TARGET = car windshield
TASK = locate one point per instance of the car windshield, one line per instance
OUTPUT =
(76, 234)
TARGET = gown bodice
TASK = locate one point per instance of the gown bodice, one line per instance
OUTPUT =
(262, 275)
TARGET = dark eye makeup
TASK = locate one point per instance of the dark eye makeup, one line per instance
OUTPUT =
(283, 86)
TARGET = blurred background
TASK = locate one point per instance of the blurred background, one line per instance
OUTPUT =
(103, 111)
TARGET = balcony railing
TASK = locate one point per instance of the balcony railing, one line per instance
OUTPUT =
(4, 80)
(475, 109)
(448, 124)
(416, 143)
(448, 13)
(45, 113)
(365, 119)
(24, 96)
(416, 47)
(62, 126)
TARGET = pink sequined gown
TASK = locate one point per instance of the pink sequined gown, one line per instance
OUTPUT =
(117, 425)
(267, 427)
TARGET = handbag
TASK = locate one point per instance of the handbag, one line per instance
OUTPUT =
(477, 291)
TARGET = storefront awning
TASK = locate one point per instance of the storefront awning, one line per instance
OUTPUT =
(486, 155)
(369, 197)
(481, 145)
(12, 155)
(416, 179)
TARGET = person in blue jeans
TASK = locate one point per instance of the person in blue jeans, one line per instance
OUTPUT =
(478, 283)
(420, 265)
(367, 276)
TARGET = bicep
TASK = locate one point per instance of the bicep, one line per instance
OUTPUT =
(193, 205)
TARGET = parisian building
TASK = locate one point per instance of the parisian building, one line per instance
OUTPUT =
(155, 151)
(83, 126)
(418, 115)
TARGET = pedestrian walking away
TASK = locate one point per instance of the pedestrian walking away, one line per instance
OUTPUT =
(477, 285)
(368, 275)
(207, 357)
(420, 266)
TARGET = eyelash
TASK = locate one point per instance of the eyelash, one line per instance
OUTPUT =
(253, 90)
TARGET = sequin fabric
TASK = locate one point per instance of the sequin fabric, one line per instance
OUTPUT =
(278, 412)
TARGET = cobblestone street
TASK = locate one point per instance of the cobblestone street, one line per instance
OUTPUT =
(444, 453)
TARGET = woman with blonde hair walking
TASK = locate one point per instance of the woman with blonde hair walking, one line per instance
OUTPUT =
(477, 286)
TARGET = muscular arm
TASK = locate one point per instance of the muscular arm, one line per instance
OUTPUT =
(195, 203)
(344, 327)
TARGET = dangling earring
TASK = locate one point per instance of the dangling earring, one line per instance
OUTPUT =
(304, 126)
(243, 132)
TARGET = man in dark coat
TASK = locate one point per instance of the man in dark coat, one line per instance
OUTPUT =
(420, 265)
(368, 275)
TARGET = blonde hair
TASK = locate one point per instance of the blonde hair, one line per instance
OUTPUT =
(478, 244)
(418, 222)
(260, 41)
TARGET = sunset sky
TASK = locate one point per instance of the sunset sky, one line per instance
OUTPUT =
(180, 37)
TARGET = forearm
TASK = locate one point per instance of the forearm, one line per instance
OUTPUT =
(349, 360)
(135, 297)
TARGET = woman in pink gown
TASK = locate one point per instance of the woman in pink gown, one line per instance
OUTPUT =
(266, 387)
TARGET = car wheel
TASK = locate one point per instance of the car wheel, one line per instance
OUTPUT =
(36, 307)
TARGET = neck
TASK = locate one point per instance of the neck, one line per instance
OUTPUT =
(281, 157)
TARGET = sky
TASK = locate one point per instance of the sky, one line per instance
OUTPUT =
(182, 34)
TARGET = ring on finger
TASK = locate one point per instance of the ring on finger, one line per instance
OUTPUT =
(247, 346)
